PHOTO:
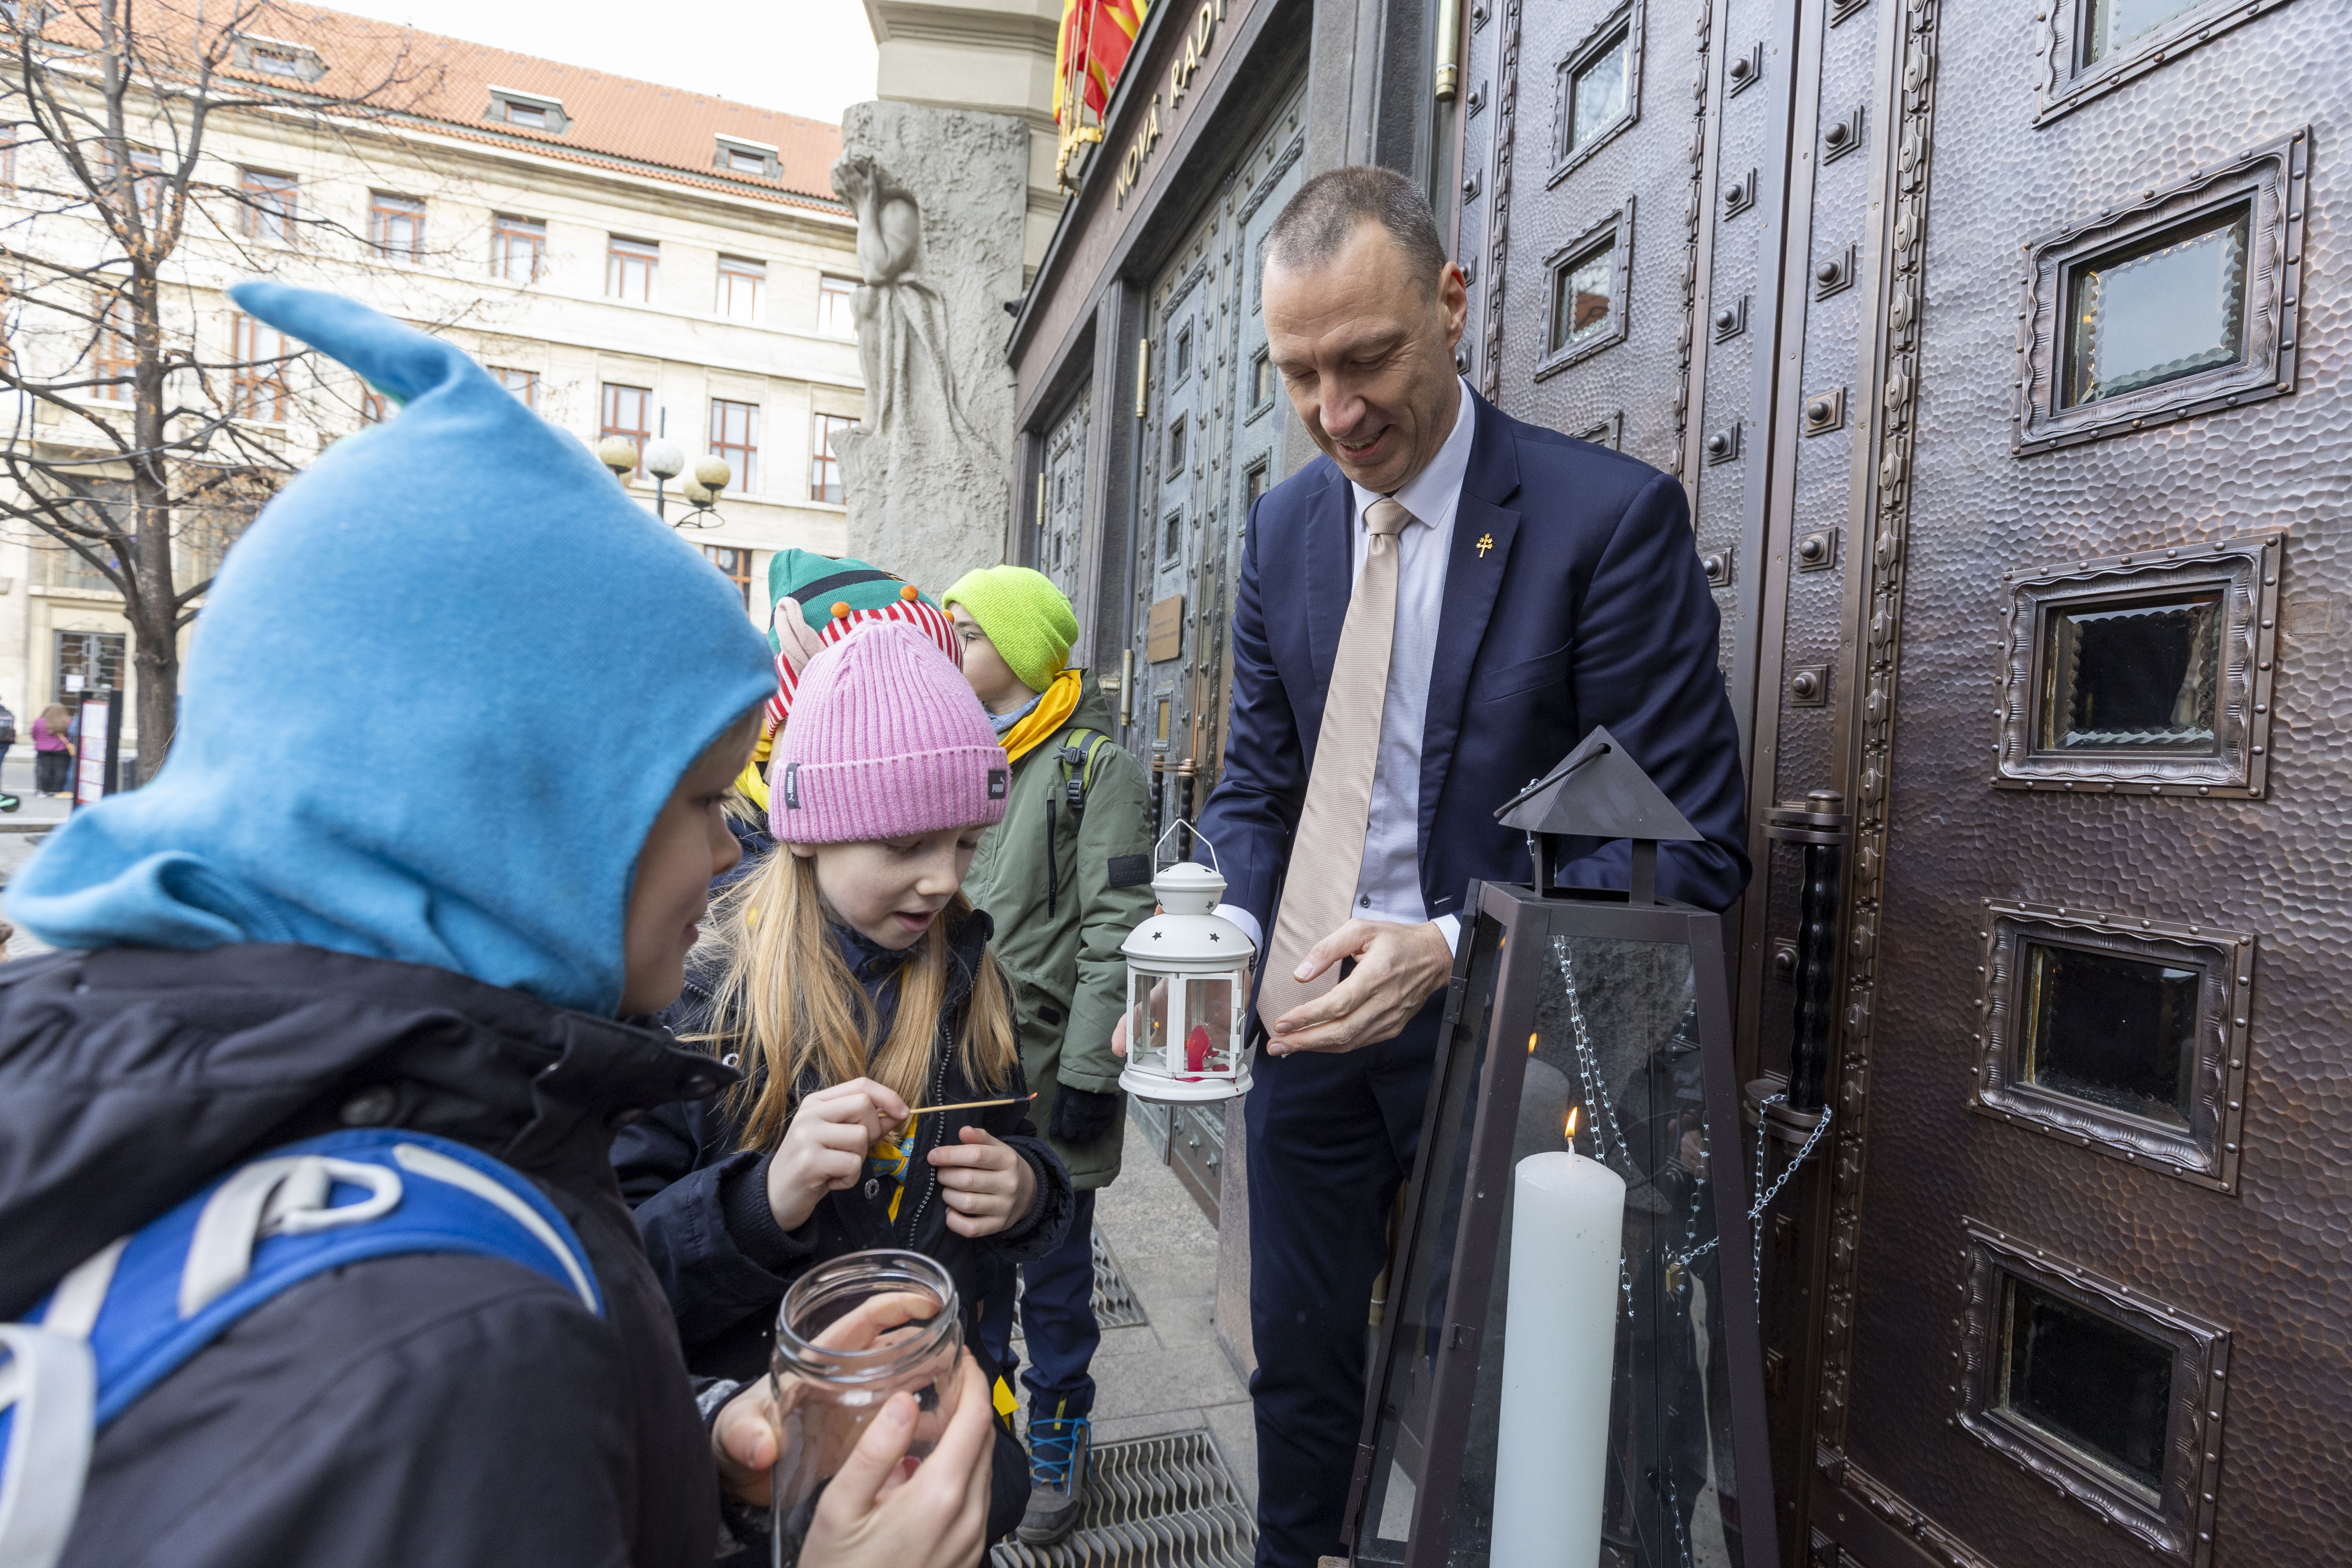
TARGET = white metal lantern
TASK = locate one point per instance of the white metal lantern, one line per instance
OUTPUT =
(1188, 971)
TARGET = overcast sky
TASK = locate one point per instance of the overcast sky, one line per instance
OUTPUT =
(805, 57)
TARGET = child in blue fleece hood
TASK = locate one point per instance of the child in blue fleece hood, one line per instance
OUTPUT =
(439, 820)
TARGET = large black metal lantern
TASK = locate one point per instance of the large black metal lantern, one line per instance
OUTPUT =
(1569, 1371)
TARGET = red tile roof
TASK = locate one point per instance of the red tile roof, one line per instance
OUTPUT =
(616, 121)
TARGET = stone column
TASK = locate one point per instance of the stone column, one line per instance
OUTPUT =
(941, 197)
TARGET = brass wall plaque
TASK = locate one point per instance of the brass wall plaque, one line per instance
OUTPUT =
(1166, 638)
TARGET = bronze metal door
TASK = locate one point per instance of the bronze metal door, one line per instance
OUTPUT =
(2086, 1294)
(1986, 342)
(1062, 496)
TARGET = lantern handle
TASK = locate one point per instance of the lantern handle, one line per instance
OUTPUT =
(1203, 838)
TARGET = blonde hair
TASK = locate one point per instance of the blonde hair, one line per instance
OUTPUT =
(789, 1002)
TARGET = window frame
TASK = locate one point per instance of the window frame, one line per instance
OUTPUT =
(2065, 82)
(269, 204)
(505, 102)
(1615, 231)
(2246, 572)
(2204, 1153)
(824, 430)
(117, 644)
(736, 271)
(251, 375)
(386, 208)
(609, 400)
(1566, 159)
(527, 392)
(2272, 181)
(110, 333)
(622, 255)
(506, 231)
(745, 557)
(730, 148)
(842, 292)
(2176, 1523)
(743, 456)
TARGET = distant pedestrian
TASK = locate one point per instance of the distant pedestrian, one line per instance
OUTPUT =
(53, 750)
(7, 740)
(1065, 877)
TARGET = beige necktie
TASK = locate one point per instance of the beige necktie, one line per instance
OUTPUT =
(1327, 854)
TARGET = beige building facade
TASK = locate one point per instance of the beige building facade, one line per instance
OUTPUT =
(627, 259)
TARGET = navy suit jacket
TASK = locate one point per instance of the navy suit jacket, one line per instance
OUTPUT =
(1587, 605)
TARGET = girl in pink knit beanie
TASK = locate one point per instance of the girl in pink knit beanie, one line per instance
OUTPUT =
(852, 981)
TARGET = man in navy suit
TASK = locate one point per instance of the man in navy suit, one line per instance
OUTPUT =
(1540, 586)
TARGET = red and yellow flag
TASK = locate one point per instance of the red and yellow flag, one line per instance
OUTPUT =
(1092, 49)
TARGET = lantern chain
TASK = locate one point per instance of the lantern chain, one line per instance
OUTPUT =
(1587, 1068)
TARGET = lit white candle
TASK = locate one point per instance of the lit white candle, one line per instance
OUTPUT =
(1559, 1348)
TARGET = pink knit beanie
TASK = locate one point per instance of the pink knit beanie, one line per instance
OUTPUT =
(886, 741)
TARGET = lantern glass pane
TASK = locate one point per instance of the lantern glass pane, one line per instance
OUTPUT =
(1147, 1024)
(1209, 1025)
(1618, 1040)
(1419, 1304)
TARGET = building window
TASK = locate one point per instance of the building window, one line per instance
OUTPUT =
(373, 407)
(518, 248)
(825, 457)
(257, 353)
(88, 661)
(743, 289)
(1184, 357)
(1598, 90)
(735, 438)
(753, 158)
(2161, 309)
(629, 411)
(528, 110)
(146, 179)
(1581, 298)
(396, 227)
(277, 62)
(523, 383)
(113, 355)
(629, 268)
(837, 306)
(269, 204)
(735, 566)
(1175, 449)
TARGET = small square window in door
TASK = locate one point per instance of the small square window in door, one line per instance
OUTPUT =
(1585, 303)
(2160, 310)
(2148, 673)
(2101, 1390)
(2117, 1034)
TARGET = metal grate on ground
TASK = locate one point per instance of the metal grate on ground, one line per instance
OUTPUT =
(1115, 1305)
(1154, 1503)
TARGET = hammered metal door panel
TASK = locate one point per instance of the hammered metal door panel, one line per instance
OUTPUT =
(2260, 1268)
(1060, 545)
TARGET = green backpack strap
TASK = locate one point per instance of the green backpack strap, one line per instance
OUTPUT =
(1081, 758)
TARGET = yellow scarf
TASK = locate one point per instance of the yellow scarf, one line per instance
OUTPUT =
(1060, 701)
(751, 782)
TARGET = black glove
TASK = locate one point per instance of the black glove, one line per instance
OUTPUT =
(1080, 1115)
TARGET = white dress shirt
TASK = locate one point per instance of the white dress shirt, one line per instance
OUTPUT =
(1388, 882)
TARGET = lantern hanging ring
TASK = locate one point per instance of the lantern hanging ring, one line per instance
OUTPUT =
(1186, 824)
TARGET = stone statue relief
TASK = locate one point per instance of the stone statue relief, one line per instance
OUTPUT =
(903, 346)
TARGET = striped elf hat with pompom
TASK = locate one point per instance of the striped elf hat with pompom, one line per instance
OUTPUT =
(814, 601)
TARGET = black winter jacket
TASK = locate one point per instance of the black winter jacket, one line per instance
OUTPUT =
(427, 1410)
(702, 1198)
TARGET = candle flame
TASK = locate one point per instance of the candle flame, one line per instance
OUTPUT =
(1572, 1112)
(1531, 1045)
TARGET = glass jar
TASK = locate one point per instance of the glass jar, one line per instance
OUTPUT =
(851, 1332)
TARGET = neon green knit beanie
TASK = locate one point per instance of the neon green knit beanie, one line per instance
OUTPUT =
(1026, 618)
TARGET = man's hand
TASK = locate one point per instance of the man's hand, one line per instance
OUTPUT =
(823, 1150)
(986, 1186)
(1398, 968)
(873, 1515)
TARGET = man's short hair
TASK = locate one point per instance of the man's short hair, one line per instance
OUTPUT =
(1317, 222)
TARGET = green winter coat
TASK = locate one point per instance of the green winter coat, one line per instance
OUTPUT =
(1062, 947)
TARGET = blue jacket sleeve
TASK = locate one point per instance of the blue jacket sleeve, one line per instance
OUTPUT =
(1646, 665)
(1255, 808)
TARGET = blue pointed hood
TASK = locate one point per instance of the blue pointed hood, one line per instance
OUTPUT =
(435, 698)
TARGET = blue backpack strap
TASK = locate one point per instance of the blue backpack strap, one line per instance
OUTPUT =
(130, 1317)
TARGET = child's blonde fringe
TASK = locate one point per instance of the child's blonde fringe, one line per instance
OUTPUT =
(789, 1002)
